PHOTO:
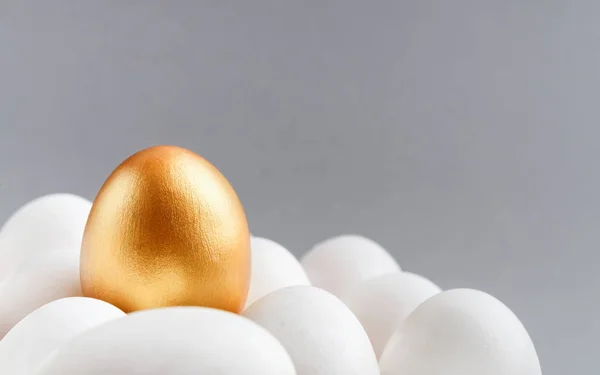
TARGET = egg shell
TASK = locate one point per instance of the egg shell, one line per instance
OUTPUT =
(461, 331)
(342, 261)
(273, 268)
(166, 229)
(45, 329)
(35, 282)
(321, 334)
(383, 302)
(174, 341)
(54, 221)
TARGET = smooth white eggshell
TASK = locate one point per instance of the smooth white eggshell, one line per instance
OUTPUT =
(342, 261)
(35, 282)
(55, 221)
(461, 331)
(174, 341)
(383, 302)
(321, 334)
(273, 268)
(29, 342)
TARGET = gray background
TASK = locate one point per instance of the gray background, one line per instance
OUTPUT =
(461, 135)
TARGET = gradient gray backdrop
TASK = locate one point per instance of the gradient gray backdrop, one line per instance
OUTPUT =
(461, 135)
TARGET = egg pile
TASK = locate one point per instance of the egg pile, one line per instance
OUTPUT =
(160, 275)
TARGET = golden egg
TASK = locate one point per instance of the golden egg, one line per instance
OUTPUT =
(166, 229)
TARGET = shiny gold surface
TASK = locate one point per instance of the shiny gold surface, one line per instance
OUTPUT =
(166, 229)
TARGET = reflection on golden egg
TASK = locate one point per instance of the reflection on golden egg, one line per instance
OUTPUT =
(166, 229)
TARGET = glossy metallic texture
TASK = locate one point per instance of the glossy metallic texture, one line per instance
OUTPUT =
(166, 229)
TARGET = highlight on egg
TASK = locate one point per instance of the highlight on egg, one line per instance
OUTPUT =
(175, 341)
(44, 330)
(49, 222)
(461, 331)
(166, 229)
(341, 261)
(319, 332)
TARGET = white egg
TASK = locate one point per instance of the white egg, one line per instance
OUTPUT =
(35, 282)
(273, 268)
(45, 329)
(461, 331)
(342, 261)
(55, 221)
(321, 334)
(383, 302)
(174, 341)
